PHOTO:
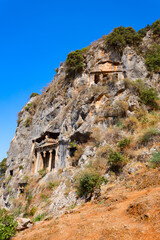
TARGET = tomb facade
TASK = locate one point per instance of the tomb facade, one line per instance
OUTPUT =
(48, 153)
(45, 152)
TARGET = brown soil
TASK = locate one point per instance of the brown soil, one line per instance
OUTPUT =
(120, 214)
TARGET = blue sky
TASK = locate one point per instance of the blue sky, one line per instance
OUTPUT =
(36, 35)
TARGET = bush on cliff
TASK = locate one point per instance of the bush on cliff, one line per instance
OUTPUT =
(75, 62)
(115, 161)
(148, 96)
(88, 182)
(7, 225)
(34, 95)
(152, 57)
(121, 37)
(155, 160)
(156, 28)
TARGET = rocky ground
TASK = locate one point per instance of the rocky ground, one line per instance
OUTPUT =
(129, 210)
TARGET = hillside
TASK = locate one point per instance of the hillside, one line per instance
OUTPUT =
(121, 213)
(94, 131)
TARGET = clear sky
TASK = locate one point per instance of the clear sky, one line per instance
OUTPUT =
(36, 35)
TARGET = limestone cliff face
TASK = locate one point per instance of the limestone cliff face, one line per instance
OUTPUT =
(68, 111)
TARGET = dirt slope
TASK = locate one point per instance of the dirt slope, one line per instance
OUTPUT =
(121, 214)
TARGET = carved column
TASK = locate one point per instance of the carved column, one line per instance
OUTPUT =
(50, 160)
(56, 157)
(44, 154)
(37, 162)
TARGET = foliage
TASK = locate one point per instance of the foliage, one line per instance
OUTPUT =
(156, 28)
(88, 182)
(137, 85)
(124, 143)
(7, 225)
(28, 106)
(142, 32)
(115, 157)
(56, 70)
(52, 185)
(20, 167)
(121, 37)
(19, 121)
(8, 178)
(33, 211)
(42, 172)
(73, 144)
(152, 57)
(44, 197)
(147, 136)
(27, 122)
(38, 218)
(19, 117)
(120, 108)
(29, 197)
(3, 167)
(148, 96)
(75, 154)
(155, 160)
(115, 161)
(74, 63)
(34, 95)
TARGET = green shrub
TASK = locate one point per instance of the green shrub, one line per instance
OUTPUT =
(28, 122)
(56, 70)
(115, 157)
(73, 144)
(3, 167)
(155, 160)
(7, 225)
(42, 172)
(152, 57)
(44, 197)
(142, 32)
(148, 96)
(74, 63)
(136, 86)
(28, 106)
(88, 182)
(121, 37)
(156, 28)
(52, 185)
(19, 121)
(124, 143)
(34, 95)
(147, 136)
(33, 211)
(20, 167)
(115, 161)
(38, 218)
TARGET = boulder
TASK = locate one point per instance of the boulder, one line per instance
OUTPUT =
(24, 223)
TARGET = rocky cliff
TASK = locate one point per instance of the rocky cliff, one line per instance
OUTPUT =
(75, 123)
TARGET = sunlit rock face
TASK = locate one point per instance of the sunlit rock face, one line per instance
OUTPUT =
(67, 112)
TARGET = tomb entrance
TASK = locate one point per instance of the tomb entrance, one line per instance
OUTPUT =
(45, 150)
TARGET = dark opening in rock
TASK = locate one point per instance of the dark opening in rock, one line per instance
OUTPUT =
(96, 78)
(80, 137)
(72, 151)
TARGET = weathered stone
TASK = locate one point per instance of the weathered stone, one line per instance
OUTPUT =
(24, 223)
